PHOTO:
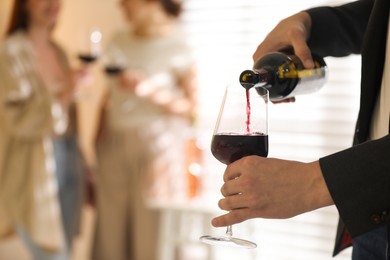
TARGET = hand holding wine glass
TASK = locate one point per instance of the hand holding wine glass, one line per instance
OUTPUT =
(241, 130)
(270, 188)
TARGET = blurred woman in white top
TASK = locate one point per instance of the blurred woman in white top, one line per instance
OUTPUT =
(140, 148)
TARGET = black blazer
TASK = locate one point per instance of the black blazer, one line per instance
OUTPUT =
(358, 178)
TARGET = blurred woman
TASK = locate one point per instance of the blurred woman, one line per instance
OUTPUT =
(40, 168)
(141, 146)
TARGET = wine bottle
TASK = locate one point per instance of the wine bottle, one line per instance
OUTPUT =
(284, 75)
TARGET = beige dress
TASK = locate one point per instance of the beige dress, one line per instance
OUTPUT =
(140, 154)
(29, 116)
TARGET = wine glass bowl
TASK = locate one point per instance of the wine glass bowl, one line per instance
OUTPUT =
(90, 46)
(241, 130)
(242, 124)
(114, 61)
(229, 147)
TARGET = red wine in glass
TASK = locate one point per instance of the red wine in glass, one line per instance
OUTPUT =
(229, 147)
(87, 58)
(90, 46)
(113, 70)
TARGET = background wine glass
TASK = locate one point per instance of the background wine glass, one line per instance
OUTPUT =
(114, 61)
(241, 130)
(90, 46)
(88, 53)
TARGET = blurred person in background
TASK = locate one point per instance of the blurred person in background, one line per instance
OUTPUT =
(140, 147)
(41, 178)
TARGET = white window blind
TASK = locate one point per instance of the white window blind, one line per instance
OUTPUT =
(224, 34)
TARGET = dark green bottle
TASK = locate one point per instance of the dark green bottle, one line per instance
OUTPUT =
(284, 75)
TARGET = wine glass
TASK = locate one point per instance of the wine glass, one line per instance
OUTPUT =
(114, 61)
(241, 130)
(90, 46)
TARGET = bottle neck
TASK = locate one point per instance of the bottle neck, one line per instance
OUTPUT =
(263, 76)
(257, 77)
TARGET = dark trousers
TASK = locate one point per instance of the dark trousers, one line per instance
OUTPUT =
(371, 246)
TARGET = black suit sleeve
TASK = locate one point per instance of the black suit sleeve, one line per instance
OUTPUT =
(359, 182)
(339, 31)
(358, 178)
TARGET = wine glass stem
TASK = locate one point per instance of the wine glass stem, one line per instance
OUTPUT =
(229, 231)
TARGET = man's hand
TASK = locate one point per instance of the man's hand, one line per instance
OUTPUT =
(290, 32)
(270, 188)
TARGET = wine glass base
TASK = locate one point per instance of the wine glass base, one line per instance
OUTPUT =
(227, 241)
